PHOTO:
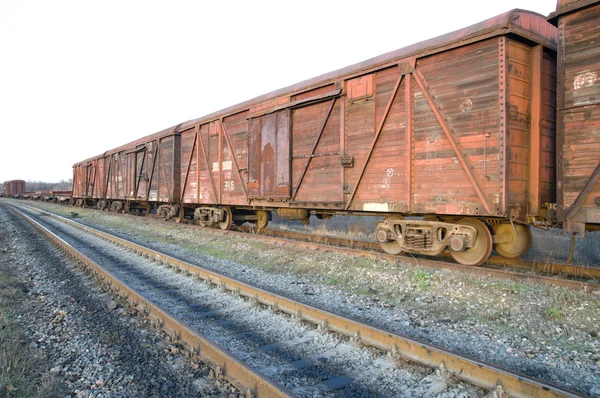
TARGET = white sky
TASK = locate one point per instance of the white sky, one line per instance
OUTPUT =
(80, 77)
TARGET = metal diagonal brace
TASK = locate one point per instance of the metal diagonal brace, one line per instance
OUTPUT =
(164, 169)
(189, 166)
(462, 160)
(208, 169)
(379, 129)
(584, 193)
(235, 163)
(314, 148)
(139, 179)
(149, 188)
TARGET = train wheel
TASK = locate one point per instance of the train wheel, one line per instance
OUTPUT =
(116, 206)
(512, 246)
(392, 247)
(263, 219)
(482, 249)
(228, 219)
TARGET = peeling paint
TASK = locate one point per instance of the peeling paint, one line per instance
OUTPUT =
(585, 79)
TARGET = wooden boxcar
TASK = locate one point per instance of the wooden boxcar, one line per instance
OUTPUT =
(578, 101)
(459, 129)
(13, 188)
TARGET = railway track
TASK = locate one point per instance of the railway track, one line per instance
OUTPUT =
(547, 273)
(268, 345)
(569, 276)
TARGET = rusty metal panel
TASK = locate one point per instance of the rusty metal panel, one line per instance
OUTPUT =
(269, 156)
(122, 175)
(579, 116)
(89, 179)
(282, 156)
(383, 184)
(206, 186)
(95, 179)
(151, 160)
(130, 175)
(214, 158)
(101, 179)
(266, 180)
(457, 134)
(80, 180)
(254, 156)
(358, 136)
(165, 170)
(519, 82)
(189, 166)
(117, 176)
(141, 174)
(77, 193)
(110, 165)
(235, 158)
(316, 168)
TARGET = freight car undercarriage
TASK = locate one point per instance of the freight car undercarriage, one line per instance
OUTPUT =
(468, 240)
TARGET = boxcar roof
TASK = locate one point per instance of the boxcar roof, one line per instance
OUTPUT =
(527, 24)
(568, 6)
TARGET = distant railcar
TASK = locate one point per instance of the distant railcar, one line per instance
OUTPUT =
(14, 188)
(578, 127)
(459, 129)
(63, 196)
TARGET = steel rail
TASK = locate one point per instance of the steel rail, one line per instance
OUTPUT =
(246, 379)
(578, 271)
(371, 250)
(470, 370)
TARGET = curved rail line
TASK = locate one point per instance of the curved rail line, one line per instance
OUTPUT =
(487, 376)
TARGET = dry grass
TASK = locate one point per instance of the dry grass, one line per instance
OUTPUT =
(20, 375)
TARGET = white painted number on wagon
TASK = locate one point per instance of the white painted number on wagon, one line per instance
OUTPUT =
(229, 186)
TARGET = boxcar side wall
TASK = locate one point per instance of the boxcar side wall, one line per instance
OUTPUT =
(437, 135)
(579, 119)
(457, 139)
(530, 128)
(443, 131)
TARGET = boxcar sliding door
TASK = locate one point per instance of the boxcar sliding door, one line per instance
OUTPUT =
(269, 156)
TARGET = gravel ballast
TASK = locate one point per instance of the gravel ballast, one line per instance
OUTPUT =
(84, 339)
(269, 342)
(548, 333)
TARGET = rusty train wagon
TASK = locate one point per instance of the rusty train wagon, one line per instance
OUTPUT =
(459, 129)
(13, 188)
(578, 127)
